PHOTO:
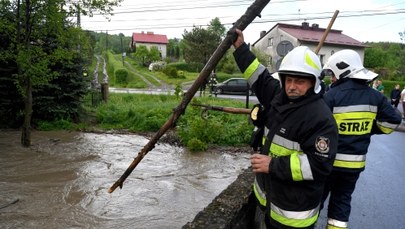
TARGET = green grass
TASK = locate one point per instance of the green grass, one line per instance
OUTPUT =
(148, 113)
(115, 62)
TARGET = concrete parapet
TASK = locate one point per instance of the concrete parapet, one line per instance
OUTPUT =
(232, 208)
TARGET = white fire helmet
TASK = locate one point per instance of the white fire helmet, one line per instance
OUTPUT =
(347, 64)
(303, 62)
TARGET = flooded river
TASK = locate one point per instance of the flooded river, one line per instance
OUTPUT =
(62, 181)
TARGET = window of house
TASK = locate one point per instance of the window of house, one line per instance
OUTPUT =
(270, 42)
(321, 58)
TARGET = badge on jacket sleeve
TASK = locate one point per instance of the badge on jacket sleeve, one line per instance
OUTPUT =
(322, 144)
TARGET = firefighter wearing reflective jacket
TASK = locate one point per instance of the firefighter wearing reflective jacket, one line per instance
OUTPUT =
(360, 112)
(299, 141)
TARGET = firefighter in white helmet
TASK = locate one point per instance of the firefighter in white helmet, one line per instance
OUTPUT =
(299, 140)
(360, 112)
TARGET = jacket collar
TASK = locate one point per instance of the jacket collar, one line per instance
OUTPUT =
(282, 104)
(349, 84)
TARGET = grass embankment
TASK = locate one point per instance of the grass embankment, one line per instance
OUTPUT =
(141, 113)
(135, 72)
(147, 113)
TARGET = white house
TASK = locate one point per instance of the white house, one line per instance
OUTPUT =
(282, 38)
(149, 39)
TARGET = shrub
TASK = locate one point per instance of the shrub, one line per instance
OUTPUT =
(195, 144)
(170, 72)
(178, 91)
(189, 67)
(229, 68)
(121, 76)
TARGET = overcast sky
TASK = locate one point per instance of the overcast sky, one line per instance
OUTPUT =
(364, 20)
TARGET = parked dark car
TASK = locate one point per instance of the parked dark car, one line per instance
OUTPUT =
(233, 86)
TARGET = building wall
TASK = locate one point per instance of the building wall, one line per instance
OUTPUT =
(327, 50)
(161, 47)
(268, 44)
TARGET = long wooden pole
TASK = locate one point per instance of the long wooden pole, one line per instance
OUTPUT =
(325, 34)
(251, 13)
(232, 110)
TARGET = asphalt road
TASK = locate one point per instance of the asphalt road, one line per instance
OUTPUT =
(378, 201)
(156, 91)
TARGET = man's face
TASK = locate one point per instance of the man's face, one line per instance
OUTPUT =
(297, 87)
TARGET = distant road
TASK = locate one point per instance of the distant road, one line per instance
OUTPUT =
(158, 91)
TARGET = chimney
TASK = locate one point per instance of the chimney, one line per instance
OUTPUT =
(262, 34)
(305, 25)
(315, 26)
(149, 33)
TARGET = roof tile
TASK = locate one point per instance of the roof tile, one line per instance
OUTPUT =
(149, 37)
(311, 34)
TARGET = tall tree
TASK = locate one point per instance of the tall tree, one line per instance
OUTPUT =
(173, 48)
(8, 67)
(38, 24)
(216, 27)
(386, 58)
(142, 54)
(374, 57)
(200, 43)
(154, 54)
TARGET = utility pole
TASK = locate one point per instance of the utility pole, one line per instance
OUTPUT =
(106, 40)
(122, 49)
(78, 26)
(78, 16)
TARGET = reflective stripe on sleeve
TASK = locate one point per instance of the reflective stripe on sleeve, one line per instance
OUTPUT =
(350, 161)
(294, 218)
(336, 224)
(259, 193)
(386, 127)
(266, 132)
(300, 167)
(299, 163)
(253, 72)
(281, 146)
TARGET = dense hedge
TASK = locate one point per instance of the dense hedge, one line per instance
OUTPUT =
(183, 66)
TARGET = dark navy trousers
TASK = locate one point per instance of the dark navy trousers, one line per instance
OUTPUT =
(340, 186)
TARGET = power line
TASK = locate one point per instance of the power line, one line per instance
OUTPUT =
(163, 8)
(294, 17)
(149, 17)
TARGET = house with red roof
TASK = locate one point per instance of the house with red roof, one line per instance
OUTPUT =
(149, 39)
(282, 38)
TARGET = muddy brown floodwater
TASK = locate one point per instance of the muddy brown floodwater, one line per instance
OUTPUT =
(62, 181)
